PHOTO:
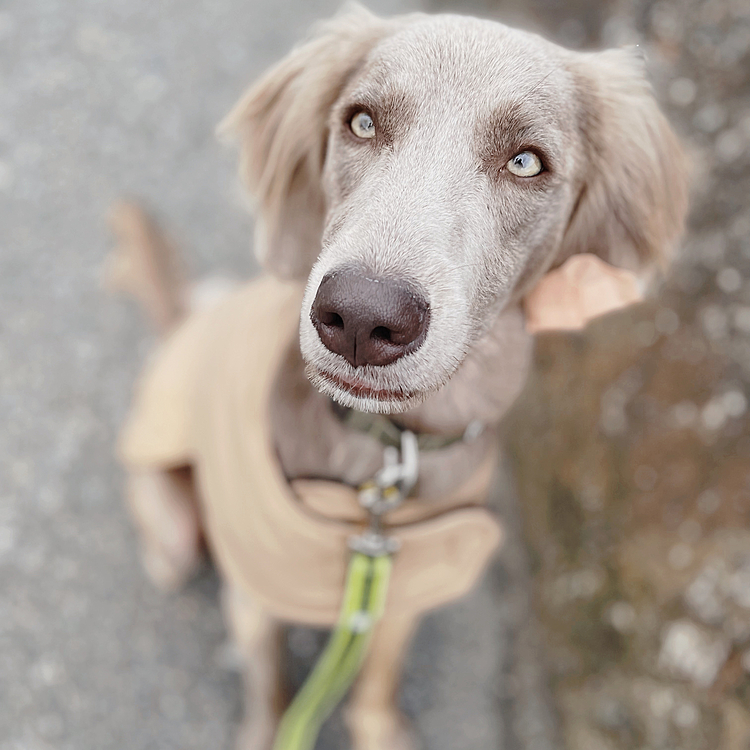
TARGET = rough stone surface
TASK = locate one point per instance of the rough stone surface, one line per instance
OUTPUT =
(632, 442)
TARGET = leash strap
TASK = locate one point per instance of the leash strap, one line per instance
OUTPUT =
(364, 599)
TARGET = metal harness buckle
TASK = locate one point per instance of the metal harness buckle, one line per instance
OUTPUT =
(386, 492)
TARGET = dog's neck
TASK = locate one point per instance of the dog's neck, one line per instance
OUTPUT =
(484, 386)
(312, 441)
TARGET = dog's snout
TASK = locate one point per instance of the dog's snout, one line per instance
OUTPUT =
(369, 321)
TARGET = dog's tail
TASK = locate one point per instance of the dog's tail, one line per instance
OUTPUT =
(146, 265)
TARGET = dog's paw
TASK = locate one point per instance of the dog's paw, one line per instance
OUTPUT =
(380, 730)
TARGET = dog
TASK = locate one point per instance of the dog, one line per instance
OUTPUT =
(431, 192)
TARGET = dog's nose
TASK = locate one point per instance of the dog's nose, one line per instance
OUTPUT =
(369, 321)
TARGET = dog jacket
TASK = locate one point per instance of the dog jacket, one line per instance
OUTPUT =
(203, 401)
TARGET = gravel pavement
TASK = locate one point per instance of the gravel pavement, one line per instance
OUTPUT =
(100, 100)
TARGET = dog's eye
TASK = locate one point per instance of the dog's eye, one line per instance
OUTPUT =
(525, 164)
(362, 125)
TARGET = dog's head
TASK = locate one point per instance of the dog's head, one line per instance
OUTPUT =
(423, 172)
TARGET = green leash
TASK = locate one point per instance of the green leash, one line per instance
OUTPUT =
(364, 601)
(366, 588)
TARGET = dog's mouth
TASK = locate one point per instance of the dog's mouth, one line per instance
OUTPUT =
(359, 393)
(360, 389)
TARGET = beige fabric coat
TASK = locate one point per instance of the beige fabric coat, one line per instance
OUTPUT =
(204, 401)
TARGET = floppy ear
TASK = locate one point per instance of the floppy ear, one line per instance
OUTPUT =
(633, 195)
(282, 124)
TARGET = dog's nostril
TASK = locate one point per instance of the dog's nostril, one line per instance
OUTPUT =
(381, 333)
(332, 319)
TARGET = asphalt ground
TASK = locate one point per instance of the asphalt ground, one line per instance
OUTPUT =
(98, 101)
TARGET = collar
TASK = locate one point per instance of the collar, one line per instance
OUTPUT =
(388, 433)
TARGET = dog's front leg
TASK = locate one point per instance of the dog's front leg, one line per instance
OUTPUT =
(258, 638)
(165, 509)
(372, 716)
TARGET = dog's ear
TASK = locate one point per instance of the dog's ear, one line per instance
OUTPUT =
(632, 197)
(282, 124)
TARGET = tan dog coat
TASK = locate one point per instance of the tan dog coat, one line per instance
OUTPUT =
(204, 402)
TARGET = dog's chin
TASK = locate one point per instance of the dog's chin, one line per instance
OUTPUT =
(357, 393)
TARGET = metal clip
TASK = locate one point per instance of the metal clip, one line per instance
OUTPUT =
(387, 490)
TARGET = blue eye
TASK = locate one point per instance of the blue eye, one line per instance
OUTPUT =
(362, 125)
(525, 164)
